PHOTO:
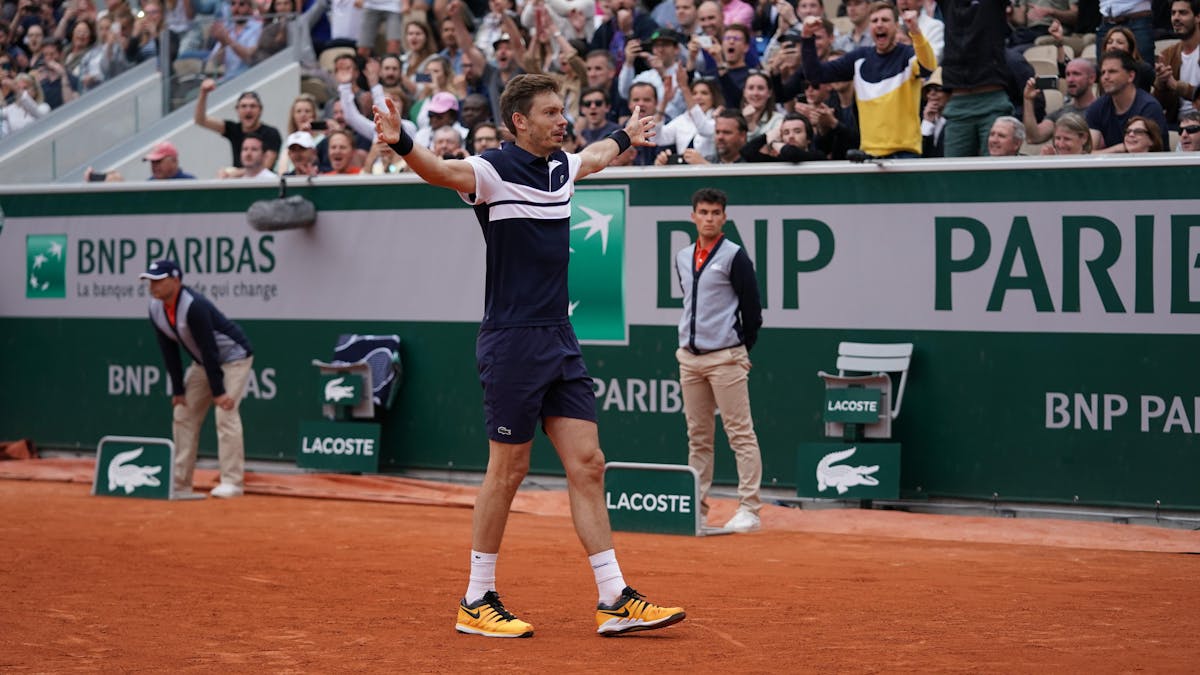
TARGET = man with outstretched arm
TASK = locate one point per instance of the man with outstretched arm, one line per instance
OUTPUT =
(530, 363)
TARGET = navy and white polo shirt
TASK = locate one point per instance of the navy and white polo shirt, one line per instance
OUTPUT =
(523, 203)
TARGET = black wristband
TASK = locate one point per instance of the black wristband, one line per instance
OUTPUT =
(622, 139)
(404, 145)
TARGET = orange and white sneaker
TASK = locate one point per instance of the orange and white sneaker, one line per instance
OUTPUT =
(488, 617)
(632, 613)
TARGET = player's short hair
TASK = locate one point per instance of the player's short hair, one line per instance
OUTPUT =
(709, 195)
(519, 94)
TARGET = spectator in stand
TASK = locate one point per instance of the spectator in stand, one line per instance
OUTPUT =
(419, 45)
(643, 95)
(85, 60)
(164, 163)
(933, 124)
(179, 17)
(57, 84)
(1121, 39)
(300, 120)
(1142, 135)
(485, 136)
(275, 30)
(691, 134)
(491, 26)
(339, 119)
(594, 124)
(442, 112)
(859, 34)
(575, 19)
(254, 161)
(729, 136)
(601, 73)
(341, 154)
(143, 38)
(236, 42)
(1006, 137)
(758, 105)
(302, 154)
(435, 76)
(1081, 76)
(790, 142)
(391, 76)
(447, 144)
(1135, 17)
(1189, 131)
(833, 116)
(686, 17)
(376, 12)
(1031, 19)
(658, 65)
(1121, 101)
(493, 75)
(249, 111)
(451, 51)
(27, 104)
(17, 58)
(624, 22)
(975, 72)
(1177, 71)
(1071, 136)
(807, 8)
(887, 79)
(75, 11)
(474, 110)
(732, 68)
(31, 44)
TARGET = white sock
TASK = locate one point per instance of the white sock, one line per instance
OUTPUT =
(483, 576)
(609, 581)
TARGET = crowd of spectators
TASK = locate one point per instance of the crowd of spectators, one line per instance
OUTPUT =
(727, 81)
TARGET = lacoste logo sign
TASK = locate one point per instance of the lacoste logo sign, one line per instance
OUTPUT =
(122, 474)
(841, 476)
(504, 431)
(336, 391)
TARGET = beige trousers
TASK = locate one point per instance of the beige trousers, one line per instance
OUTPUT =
(719, 380)
(231, 451)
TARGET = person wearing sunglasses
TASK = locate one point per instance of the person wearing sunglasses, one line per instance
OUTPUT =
(1189, 132)
(593, 123)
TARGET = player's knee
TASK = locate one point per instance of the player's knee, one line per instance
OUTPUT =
(589, 466)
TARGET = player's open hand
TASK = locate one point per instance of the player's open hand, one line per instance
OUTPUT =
(387, 123)
(639, 128)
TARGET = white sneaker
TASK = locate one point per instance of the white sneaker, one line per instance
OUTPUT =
(226, 490)
(744, 521)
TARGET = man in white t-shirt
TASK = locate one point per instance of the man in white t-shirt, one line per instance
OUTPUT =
(1178, 66)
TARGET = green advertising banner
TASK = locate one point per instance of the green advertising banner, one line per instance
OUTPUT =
(343, 447)
(659, 498)
(597, 272)
(1052, 303)
(130, 466)
(841, 471)
(852, 405)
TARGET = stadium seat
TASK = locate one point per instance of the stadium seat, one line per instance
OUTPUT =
(1172, 141)
(874, 365)
(376, 358)
(1043, 53)
(1089, 52)
(1044, 68)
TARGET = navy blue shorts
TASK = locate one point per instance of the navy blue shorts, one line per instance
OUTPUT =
(528, 374)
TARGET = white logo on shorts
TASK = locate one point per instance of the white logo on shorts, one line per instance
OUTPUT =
(504, 431)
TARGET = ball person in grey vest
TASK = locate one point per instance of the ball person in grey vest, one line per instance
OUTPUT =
(721, 317)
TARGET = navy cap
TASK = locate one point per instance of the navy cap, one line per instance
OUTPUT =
(161, 269)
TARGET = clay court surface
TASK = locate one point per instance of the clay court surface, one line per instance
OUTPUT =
(367, 578)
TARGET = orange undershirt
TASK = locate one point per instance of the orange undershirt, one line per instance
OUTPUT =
(702, 253)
